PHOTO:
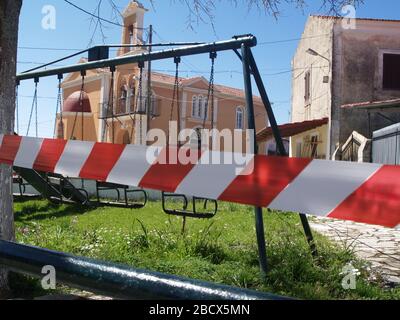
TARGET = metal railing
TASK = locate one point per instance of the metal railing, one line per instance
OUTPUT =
(125, 108)
(117, 280)
(350, 149)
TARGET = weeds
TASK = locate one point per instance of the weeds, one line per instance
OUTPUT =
(221, 250)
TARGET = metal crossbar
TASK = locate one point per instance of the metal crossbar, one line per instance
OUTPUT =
(235, 43)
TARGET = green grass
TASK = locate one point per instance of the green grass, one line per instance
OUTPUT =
(221, 250)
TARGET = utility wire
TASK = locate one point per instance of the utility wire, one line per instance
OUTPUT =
(187, 63)
(292, 39)
(158, 35)
(48, 49)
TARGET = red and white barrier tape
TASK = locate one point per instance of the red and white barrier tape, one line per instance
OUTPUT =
(368, 193)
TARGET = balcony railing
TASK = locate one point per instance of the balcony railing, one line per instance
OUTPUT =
(125, 107)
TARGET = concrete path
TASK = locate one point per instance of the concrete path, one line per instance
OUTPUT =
(377, 245)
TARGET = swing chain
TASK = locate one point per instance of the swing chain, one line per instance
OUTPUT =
(36, 110)
(135, 103)
(139, 102)
(17, 105)
(213, 56)
(33, 109)
(175, 97)
(59, 107)
(83, 74)
(111, 103)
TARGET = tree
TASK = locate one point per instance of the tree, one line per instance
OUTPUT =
(203, 10)
(9, 18)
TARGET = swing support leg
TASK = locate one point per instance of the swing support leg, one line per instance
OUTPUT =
(262, 249)
(279, 141)
(309, 235)
(260, 232)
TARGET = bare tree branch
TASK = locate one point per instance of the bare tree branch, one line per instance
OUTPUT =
(203, 11)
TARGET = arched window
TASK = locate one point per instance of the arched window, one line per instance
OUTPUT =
(195, 107)
(132, 95)
(131, 34)
(205, 109)
(200, 108)
(155, 108)
(122, 101)
(240, 118)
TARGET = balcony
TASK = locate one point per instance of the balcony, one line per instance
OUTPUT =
(126, 107)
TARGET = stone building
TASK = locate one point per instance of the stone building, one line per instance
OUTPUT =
(347, 71)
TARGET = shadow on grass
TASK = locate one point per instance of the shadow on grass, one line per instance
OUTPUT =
(24, 287)
(48, 210)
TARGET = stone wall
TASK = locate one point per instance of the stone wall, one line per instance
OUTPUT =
(357, 76)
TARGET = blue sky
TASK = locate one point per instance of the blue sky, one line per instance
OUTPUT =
(169, 18)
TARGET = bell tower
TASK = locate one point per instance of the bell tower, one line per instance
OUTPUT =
(132, 33)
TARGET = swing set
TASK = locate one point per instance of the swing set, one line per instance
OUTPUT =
(241, 45)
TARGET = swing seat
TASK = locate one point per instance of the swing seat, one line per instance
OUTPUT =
(70, 194)
(184, 212)
(121, 202)
(22, 184)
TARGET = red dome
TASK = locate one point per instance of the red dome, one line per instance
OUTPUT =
(73, 103)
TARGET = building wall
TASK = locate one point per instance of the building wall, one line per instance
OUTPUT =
(128, 127)
(358, 59)
(317, 35)
(356, 76)
(300, 146)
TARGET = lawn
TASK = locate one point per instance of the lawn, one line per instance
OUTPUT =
(221, 250)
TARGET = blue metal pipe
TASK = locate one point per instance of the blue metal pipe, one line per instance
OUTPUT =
(117, 280)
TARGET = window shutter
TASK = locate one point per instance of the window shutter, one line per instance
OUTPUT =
(391, 71)
(200, 107)
(307, 93)
(194, 107)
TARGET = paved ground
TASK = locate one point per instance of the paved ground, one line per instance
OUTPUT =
(377, 245)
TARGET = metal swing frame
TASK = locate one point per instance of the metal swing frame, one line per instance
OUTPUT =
(244, 43)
